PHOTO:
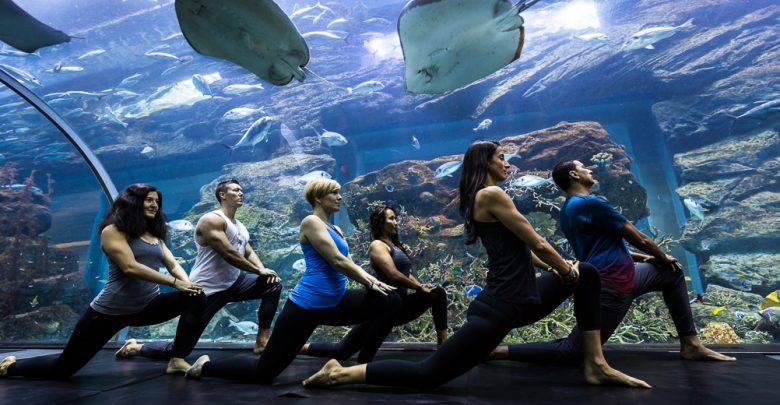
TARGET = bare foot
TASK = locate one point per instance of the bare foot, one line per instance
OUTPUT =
(603, 374)
(441, 336)
(197, 368)
(177, 365)
(700, 352)
(128, 350)
(7, 362)
(325, 377)
(501, 352)
(261, 341)
(304, 349)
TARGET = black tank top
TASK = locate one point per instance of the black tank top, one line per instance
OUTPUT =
(511, 276)
(401, 262)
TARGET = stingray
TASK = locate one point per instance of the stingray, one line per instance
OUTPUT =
(255, 34)
(448, 44)
(23, 32)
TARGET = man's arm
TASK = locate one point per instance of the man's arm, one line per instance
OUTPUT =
(646, 244)
(264, 271)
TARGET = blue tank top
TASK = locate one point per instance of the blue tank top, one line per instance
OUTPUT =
(320, 286)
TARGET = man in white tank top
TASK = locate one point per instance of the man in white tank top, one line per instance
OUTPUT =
(228, 269)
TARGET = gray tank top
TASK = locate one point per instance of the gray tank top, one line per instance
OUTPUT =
(124, 294)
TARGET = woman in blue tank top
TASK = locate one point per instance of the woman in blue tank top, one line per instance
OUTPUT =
(321, 297)
(132, 235)
(390, 260)
(513, 296)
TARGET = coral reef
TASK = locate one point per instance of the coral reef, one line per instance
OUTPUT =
(719, 333)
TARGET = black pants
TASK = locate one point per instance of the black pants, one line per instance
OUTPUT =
(94, 329)
(614, 306)
(488, 321)
(413, 306)
(247, 287)
(294, 326)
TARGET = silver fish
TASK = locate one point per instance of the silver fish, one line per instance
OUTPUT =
(447, 169)
(484, 125)
(240, 113)
(313, 175)
(200, 84)
(695, 208)
(241, 88)
(181, 225)
(366, 87)
(93, 52)
(647, 37)
(256, 133)
(530, 181)
(415, 143)
(245, 327)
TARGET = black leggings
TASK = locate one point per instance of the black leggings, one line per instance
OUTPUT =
(413, 306)
(488, 321)
(614, 306)
(294, 326)
(247, 287)
(94, 329)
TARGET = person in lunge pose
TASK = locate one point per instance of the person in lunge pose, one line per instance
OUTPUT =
(228, 269)
(512, 297)
(132, 235)
(390, 260)
(596, 232)
(321, 297)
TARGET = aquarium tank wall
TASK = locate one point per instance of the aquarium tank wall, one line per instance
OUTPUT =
(674, 103)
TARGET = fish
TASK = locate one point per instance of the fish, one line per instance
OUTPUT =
(17, 54)
(172, 36)
(484, 125)
(148, 152)
(91, 53)
(299, 265)
(240, 113)
(377, 20)
(20, 187)
(647, 37)
(707, 244)
(256, 133)
(415, 142)
(592, 37)
(739, 314)
(471, 291)
(447, 169)
(331, 138)
(112, 116)
(512, 155)
(255, 34)
(695, 208)
(336, 21)
(762, 110)
(313, 175)
(21, 75)
(181, 225)
(718, 310)
(322, 34)
(200, 84)
(301, 11)
(449, 44)
(52, 156)
(83, 95)
(389, 187)
(125, 93)
(59, 68)
(530, 181)
(366, 87)
(163, 56)
(241, 88)
(34, 302)
(131, 80)
(771, 300)
(245, 327)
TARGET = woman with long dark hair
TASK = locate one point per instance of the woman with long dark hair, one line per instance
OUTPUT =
(512, 297)
(390, 260)
(321, 297)
(132, 235)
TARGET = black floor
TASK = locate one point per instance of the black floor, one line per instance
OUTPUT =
(105, 380)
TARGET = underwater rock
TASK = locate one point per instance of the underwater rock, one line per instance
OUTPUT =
(23, 212)
(54, 322)
(733, 157)
(752, 272)
(719, 333)
(770, 323)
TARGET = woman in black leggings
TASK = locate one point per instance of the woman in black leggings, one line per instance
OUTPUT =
(512, 297)
(320, 298)
(390, 260)
(132, 235)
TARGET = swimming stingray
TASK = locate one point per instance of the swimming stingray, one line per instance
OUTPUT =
(23, 32)
(255, 34)
(450, 43)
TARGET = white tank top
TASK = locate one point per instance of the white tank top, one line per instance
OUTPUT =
(213, 272)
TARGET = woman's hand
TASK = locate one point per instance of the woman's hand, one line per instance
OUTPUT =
(379, 286)
(187, 287)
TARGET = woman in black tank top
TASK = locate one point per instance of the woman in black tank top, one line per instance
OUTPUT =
(132, 235)
(390, 260)
(512, 297)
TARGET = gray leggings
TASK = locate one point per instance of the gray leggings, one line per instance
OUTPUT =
(614, 306)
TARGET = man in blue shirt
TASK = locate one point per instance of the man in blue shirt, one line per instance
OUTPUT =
(598, 234)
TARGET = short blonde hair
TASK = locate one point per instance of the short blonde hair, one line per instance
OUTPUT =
(318, 188)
